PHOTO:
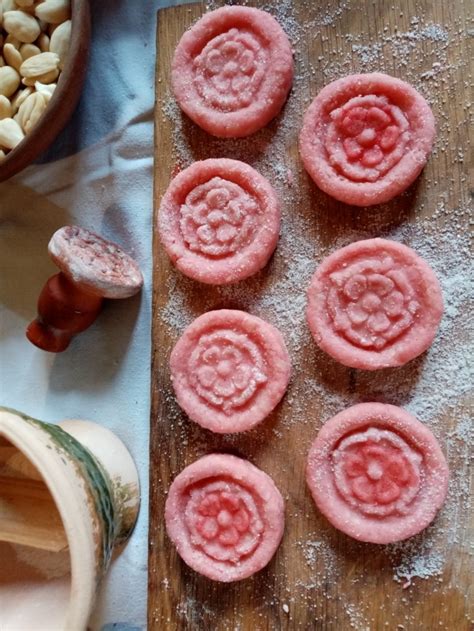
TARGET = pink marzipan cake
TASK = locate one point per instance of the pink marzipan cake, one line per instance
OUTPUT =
(377, 473)
(219, 221)
(366, 137)
(232, 71)
(225, 517)
(374, 304)
(229, 370)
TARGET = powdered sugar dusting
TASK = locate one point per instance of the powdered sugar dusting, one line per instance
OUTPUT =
(432, 217)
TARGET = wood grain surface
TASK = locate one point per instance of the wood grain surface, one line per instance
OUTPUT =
(319, 578)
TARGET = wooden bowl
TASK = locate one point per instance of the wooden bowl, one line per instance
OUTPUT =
(64, 99)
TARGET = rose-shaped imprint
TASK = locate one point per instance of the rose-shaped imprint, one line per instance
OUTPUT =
(219, 221)
(223, 520)
(232, 71)
(229, 370)
(365, 138)
(218, 218)
(374, 304)
(377, 473)
(225, 517)
(226, 369)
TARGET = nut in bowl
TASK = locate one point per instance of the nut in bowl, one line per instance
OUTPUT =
(44, 55)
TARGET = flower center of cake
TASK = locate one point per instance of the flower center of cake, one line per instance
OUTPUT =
(219, 218)
(223, 520)
(371, 302)
(377, 472)
(226, 368)
(366, 137)
(229, 70)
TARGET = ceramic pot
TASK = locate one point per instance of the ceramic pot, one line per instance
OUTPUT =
(69, 497)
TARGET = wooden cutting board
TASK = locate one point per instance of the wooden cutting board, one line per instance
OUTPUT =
(321, 579)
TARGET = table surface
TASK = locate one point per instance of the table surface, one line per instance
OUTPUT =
(319, 578)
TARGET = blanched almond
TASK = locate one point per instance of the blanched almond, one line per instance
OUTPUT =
(29, 50)
(47, 90)
(59, 42)
(2, 156)
(43, 42)
(11, 39)
(47, 77)
(19, 97)
(21, 25)
(39, 65)
(31, 110)
(8, 5)
(6, 110)
(10, 133)
(12, 56)
(53, 11)
(9, 81)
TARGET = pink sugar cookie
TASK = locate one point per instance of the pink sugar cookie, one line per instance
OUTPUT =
(366, 138)
(225, 517)
(374, 304)
(219, 221)
(232, 71)
(377, 473)
(229, 370)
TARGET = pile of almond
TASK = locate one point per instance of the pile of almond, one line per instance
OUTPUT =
(34, 41)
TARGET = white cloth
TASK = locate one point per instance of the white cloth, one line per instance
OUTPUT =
(98, 174)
